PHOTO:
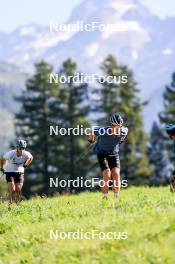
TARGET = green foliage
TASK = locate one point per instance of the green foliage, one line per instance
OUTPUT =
(161, 154)
(46, 104)
(66, 105)
(32, 123)
(168, 115)
(158, 156)
(146, 214)
(124, 98)
(72, 108)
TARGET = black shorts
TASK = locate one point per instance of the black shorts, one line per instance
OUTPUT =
(16, 177)
(108, 161)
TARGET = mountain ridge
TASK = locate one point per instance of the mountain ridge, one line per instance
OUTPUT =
(141, 40)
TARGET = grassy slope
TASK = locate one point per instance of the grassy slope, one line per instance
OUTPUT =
(148, 215)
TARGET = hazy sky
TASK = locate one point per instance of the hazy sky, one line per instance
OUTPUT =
(14, 13)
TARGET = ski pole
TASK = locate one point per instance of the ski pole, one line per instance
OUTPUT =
(86, 151)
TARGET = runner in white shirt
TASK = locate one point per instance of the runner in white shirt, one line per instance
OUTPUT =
(13, 164)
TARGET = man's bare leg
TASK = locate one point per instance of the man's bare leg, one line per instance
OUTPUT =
(106, 177)
(18, 188)
(11, 190)
(115, 173)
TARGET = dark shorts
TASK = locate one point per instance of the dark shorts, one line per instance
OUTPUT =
(107, 161)
(16, 177)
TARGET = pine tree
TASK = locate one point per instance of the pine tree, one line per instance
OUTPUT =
(32, 124)
(158, 157)
(123, 98)
(73, 108)
(107, 94)
(168, 115)
(45, 104)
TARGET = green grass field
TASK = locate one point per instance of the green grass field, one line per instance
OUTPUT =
(146, 214)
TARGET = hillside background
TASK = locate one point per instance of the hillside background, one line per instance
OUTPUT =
(142, 40)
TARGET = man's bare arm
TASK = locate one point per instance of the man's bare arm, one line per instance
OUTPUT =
(2, 161)
(91, 137)
(28, 161)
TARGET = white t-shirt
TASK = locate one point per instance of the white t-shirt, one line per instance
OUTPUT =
(13, 162)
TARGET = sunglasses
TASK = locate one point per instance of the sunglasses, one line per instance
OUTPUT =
(20, 148)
